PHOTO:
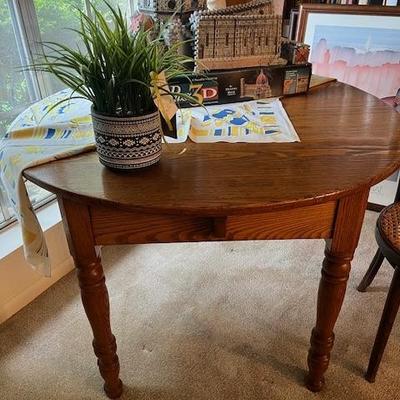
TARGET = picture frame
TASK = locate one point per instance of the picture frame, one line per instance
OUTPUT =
(357, 45)
(344, 9)
(384, 193)
(294, 17)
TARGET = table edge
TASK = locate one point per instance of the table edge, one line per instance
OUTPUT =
(216, 211)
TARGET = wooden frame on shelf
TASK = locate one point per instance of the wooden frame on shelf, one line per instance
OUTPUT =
(312, 8)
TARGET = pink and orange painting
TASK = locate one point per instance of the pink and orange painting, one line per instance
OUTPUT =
(367, 58)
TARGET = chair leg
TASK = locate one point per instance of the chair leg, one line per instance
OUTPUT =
(372, 271)
(388, 317)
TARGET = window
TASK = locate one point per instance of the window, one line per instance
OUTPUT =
(55, 21)
(23, 25)
(122, 4)
(14, 94)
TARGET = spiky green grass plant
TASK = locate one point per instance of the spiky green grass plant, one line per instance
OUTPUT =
(113, 67)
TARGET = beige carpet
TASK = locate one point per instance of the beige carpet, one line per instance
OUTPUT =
(202, 321)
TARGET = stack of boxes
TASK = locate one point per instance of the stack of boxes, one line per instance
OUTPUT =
(238, 51)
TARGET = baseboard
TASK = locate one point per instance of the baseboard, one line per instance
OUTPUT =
(20, 284)
(28, 295)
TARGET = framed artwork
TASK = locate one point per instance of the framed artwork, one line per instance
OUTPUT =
(360, 46)
(383, 194)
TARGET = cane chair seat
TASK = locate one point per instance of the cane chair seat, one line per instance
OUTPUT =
(388, 232)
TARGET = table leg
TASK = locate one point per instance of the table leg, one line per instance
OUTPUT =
(94, 293)
(335, 272)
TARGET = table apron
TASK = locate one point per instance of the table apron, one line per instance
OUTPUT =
(113, 226)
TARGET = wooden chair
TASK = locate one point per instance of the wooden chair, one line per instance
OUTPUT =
(387, 234)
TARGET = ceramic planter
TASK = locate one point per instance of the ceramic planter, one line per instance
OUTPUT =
(127, 143)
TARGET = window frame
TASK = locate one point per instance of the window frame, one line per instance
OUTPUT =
(25, 25)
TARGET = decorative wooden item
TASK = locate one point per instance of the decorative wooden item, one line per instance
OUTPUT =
(295, 52)
(225, 37)
(163, 9)
(240, 36)
(173, 16)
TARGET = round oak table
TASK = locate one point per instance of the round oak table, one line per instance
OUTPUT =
(315, 189)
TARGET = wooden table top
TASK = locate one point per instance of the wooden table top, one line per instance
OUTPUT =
(350, 140)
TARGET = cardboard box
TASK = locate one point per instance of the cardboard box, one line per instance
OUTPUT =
(295, 52)
(232, 86)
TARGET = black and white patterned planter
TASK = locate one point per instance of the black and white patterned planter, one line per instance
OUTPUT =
(127, 143)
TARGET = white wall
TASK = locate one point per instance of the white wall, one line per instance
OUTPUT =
(20, 284)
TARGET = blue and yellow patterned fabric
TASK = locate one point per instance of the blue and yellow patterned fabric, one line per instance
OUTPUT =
(258, 121)
(40, 134)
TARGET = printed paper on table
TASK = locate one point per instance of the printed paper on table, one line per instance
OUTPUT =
(258, 121)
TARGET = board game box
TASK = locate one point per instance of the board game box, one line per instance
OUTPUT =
(232, 86)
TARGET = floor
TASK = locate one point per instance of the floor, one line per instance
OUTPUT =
(203, 321)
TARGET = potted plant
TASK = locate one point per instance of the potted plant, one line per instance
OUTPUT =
(124, 74)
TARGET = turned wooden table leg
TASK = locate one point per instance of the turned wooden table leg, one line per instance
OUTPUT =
(94, 293)
(335, 272)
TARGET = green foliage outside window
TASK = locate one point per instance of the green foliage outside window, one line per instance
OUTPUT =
(54, 19)
(13, 90)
